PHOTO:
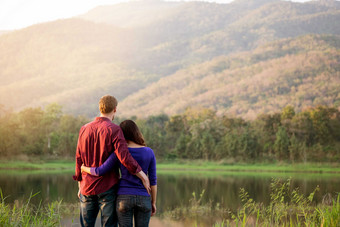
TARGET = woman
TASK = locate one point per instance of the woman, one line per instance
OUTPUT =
(133, 200)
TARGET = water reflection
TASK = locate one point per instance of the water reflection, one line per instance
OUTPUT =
(173, 189)
(225, 189)
(50, 187)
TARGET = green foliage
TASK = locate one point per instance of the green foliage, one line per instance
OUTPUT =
(287, 113)
(329, 216)
(198, 134)
(28, 215)
(281, 144)
(198, 210)
(322, 120)
(34, 132)
(287, 207)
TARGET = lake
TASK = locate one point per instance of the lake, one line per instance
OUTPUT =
(175, 188)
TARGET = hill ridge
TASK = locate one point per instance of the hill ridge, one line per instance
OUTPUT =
(75, 61)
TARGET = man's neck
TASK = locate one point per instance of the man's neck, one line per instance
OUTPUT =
(106, 116)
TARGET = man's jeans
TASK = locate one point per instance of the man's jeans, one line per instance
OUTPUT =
(133, 205)
(91, 204)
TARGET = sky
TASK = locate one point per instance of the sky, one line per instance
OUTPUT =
(17, 14)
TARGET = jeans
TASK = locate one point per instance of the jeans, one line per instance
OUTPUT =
(137, 206)
(91, 204)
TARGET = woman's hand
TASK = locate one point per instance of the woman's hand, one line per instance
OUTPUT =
(85, 169)
(154, 209)
(78, 194)
(153, 199)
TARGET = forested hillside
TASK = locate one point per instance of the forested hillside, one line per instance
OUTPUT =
(303, 72)
(242, 58)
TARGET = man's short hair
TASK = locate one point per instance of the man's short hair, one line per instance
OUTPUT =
(107, 104)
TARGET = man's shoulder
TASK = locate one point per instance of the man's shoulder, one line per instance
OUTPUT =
(101, 123)
(101, 126)
(87, 125)
(86, 128)
(111, 125)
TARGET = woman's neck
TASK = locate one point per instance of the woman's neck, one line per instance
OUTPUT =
(133, 144)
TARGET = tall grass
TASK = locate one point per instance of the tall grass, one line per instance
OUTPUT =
(330, 216)
(29, 215)
(287, 207)
(197, 212)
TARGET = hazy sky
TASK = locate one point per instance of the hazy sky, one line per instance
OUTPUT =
(16, 14)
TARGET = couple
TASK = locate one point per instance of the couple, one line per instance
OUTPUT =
(102, 149)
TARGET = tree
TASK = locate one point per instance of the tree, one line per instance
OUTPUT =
(181, 146)
(294, 149)
(321, 118)
(64, 139)
(207, 144)
(287, 113)
(176, 130)
(265, 127)
(302, 128)
(32, 133)
(248, 144)
(155, 134)
(10, 144)
(52, 115)
(281, 145)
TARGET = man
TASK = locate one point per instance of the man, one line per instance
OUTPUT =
(97, 140)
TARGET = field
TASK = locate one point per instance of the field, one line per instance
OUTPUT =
(189, 166)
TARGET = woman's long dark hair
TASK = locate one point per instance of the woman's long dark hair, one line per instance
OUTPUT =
(131, 132)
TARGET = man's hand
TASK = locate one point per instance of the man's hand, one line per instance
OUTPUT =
(145, 181)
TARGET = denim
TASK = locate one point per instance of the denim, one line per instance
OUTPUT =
(137, 206)
(91, 204)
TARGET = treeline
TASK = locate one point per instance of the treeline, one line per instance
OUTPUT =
(310, 135)
(36, 132)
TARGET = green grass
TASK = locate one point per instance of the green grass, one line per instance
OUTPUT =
(288, 207)
(42, 165)
(197, 167)
(28, 215)
(246, 174)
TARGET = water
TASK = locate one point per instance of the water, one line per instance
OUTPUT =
(173, 189)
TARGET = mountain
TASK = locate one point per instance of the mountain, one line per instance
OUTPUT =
(302, 71)
(4, 32)
(71, 62)
(131, 48)
(192, 32)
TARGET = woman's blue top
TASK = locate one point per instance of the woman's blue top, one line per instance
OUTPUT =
(130, 184)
